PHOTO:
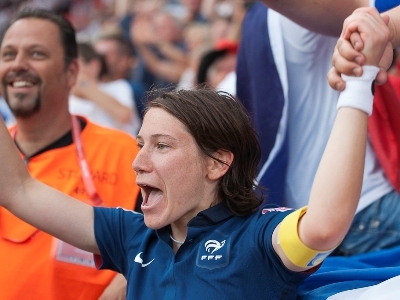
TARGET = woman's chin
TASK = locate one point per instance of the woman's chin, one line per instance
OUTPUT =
(153, 222)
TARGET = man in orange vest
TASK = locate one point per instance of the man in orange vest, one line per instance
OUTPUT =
(38, 67)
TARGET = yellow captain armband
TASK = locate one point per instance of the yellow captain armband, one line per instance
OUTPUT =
(294, 249)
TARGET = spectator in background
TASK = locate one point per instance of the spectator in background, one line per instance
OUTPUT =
(158, 40)
(104, 103)
(197, 35)
(118, 54)
(168, 57)
(143, 10)
(218, 67)
(9, 7)
(228, 23)
(197, 38)
(193, 11)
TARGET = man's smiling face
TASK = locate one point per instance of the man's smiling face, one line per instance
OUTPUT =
(32, 66)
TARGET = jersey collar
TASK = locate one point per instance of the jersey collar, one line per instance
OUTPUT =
(205, 218)
(211, 216)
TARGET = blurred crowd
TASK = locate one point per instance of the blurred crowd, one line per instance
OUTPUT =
(144, 44)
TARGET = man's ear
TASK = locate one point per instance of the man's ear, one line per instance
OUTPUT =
(218, 166)
(72, 72)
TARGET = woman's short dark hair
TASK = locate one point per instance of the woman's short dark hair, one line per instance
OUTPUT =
(218, 121)
(67, 31)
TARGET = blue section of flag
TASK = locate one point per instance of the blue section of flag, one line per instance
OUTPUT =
(338, 274)
(384, 5)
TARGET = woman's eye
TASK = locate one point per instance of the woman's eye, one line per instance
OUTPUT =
(162, 146)
(140, 145)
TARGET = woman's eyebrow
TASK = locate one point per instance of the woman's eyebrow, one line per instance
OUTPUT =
(157, 135)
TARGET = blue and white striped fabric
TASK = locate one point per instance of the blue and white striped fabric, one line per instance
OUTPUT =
(267, 83)
(338, 274)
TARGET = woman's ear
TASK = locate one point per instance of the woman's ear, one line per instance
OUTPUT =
(219, 165)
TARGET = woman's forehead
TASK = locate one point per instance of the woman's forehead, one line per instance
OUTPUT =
(158, 121)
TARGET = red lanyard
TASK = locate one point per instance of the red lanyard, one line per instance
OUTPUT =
(86, 175)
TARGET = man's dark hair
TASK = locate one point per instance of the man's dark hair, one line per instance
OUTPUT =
(125, 47)
(217, 121)
(87, 53)
(67, 31)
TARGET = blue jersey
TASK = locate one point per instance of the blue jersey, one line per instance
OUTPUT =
(223, 257)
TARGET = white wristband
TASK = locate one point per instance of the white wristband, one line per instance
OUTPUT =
(359, 90)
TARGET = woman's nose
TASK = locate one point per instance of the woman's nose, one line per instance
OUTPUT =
(142, 161)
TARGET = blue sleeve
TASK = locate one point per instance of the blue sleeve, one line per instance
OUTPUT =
(116, 230)
(269, 219)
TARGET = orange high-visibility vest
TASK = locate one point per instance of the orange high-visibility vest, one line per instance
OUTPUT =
(31, 267)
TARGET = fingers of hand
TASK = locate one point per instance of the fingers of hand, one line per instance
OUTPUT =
(335, 81)
(382, 77)
(357, 42)
(346, 60)
(372, 30)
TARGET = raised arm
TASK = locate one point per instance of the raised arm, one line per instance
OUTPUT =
(144, 38)
(322, 16)
(40, 205)
(88, 89)
(337, 184)
(394, 25)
